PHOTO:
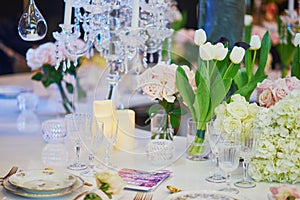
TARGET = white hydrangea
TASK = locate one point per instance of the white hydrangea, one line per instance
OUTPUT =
(278, 156)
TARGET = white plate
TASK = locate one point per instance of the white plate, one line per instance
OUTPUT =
(203, 195)
(42, 180)
(19, 191)
(11, 91)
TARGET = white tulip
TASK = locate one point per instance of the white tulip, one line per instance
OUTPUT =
(237, 54)
(220, 51)
(206, 51)
(297, 39)
(255, 42)
(248, 19)
(200, 37)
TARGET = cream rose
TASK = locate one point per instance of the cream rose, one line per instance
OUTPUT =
(114, 181)
(238, 110)
(231, 125)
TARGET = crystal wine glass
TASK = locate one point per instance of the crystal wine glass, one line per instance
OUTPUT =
(110, 134)
(248, 143)
(76, 123)
(214, 137)
(92, 139)
(229, 155)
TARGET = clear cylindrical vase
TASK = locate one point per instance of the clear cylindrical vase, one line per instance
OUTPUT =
(197, 147)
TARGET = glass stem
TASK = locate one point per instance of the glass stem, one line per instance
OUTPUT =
(77, 148)
(107, 154)
(217, 169)
(245, 170)
(91, 160)
(228, 178)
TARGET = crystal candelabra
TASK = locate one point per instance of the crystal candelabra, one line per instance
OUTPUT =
(290, 23)
(119, 30)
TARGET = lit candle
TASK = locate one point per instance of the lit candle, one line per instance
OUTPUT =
(291, 5)
(125, 137)
(135, 14)
(68, 13)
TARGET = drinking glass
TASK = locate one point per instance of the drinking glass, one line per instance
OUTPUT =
(92, 139)
(248, 143)
(214, 137)
(75, 124)
(110, 134)
(229, 155)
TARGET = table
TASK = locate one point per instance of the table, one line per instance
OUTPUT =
(27, 150)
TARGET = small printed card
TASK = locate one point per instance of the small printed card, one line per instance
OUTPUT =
(143, 180)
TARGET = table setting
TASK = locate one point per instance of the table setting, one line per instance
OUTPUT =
(217, 128)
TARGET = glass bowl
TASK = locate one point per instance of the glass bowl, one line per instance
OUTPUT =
(54, 131)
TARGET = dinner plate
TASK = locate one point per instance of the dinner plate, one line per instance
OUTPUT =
(203, 194)
(19, 191)
(42, 180)
(11, 91)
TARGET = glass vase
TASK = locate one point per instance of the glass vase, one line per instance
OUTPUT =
(197, 147)
(161, 148)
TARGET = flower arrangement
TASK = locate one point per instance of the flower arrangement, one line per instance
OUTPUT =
(158, 83)
(52, 65)
(236, 116)
(109, 183)
(284, 192)
(215, 72)
(278, 156)
(269, 92)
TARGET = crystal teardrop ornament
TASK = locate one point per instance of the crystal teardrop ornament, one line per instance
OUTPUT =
(32, 25)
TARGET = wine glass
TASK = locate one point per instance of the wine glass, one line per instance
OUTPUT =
(110, 135)
(75, 124)
(229, 155)
(248, 143)
(92, 138)
(214, 137)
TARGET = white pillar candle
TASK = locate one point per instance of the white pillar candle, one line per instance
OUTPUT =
(135, 14)
(291, 5)
(68, 13)
(104, 110)
(125, 138)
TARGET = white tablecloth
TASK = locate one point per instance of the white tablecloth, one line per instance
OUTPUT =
(27, 150)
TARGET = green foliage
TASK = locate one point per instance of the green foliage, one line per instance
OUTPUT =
(246, 80)
(296, 63)
(48, 75)
(92, 196)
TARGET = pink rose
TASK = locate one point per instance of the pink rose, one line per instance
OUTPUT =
(283, 192)
(266, 84)
(292, 83)
(281, 90)
(266, 99)
(32, 62)
(46, 53)
(153, 91)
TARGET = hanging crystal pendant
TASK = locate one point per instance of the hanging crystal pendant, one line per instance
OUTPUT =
(32, 25)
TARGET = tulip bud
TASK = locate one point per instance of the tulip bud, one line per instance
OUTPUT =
(206, 51)
(237, 54)
(200, 37)
(255, 42)
(248, 20)
(220, 51)
(297, 39)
